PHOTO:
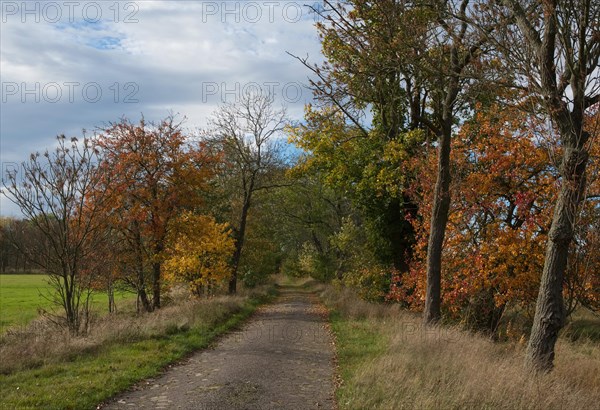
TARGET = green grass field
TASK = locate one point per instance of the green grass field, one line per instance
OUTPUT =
(23, 295)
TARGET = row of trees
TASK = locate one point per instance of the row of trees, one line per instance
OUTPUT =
(14, 237)
(144, 205)
(455, 90)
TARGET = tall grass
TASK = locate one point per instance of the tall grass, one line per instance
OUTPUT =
(404, 365)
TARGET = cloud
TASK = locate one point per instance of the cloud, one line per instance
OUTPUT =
(88, 63)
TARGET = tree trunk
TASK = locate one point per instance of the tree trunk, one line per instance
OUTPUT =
(549, 311)
(141, 289)
(156, 275)
(68, 302)
(441, 196)
(110, 291)
(437, 231)
(156, 285)
(564, 37)
(239, 244)
(143, 297)
(236, 260)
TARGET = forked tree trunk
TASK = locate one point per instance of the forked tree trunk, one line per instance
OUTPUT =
(141, 289)
(70, 302)
(143, 297)
(550, 312)
(441, 196)
(562, 38)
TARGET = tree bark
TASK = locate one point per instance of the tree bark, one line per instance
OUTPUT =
(239, 244)
(437, 232)
(441, 196)
(156, 276)
(550, 312)
(112, 307)
(141, 277)
(156, 268)
(567, 114)
(143, 297)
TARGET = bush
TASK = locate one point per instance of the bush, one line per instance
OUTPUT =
(315, 264)
(371, 283)
(291, 266)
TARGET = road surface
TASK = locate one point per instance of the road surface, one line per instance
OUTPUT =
(281, 359)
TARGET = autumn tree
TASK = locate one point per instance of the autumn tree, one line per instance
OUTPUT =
(361, 193)
(493, 249)
(365, 76)
(198, 252)
(52, 190)
(554, 47)
(416, 66)
(153, 174)
(246, 132)
(459, 54)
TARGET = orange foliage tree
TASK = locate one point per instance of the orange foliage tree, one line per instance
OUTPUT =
(504, 188)
(153, 173)
(493, 251)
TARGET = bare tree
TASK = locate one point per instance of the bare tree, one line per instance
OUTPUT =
(246, 132)
(554, 48)
(52, 189)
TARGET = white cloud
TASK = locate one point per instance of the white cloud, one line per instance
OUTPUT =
(180, 56)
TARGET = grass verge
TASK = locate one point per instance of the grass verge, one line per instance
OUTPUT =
(387, 360)
(58, 372)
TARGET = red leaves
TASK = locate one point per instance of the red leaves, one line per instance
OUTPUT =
(153, 173)
(503, 194)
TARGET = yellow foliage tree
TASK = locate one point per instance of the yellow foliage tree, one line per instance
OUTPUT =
(198, 253)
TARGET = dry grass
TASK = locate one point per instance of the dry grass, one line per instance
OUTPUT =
(447, 368)
(41, 342)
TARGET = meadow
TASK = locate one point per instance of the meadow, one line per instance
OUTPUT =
(23, 296)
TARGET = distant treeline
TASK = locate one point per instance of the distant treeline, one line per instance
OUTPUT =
(15, 236)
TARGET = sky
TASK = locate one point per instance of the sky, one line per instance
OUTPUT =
(66, 66)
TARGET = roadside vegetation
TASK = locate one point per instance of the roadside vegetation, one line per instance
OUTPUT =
(388, 360)
(42, 366)
(143, 211)
(452, 162)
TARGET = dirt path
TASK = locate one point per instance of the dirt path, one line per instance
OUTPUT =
(281, 359)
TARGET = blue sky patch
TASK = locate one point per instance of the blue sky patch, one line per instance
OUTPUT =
(81, 25)
(105, 43)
